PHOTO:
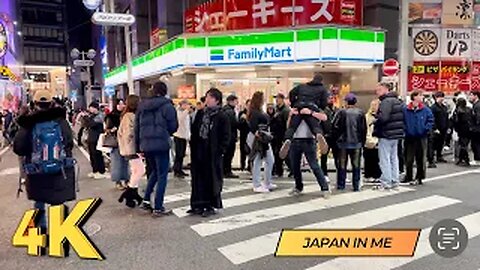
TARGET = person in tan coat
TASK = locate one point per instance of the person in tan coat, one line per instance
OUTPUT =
(372, 170)
(126, 144)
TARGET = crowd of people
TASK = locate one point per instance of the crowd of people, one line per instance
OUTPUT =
(139, 136)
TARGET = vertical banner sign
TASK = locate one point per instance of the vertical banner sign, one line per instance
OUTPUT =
(456, 43)
(476, 11)
(475, 76)
(426, 43)
(457, 12)
(476, 45)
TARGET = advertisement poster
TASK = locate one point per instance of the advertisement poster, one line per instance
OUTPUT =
(426, 43)
(447, 76)
(425, 11)
(457, 12)
(456, 43)
(454, 76)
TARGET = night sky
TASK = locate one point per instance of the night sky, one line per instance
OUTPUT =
(79, 25)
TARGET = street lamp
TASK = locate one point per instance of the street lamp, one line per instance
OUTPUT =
(84, 59)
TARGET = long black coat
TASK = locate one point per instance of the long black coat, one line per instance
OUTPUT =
(207, 158)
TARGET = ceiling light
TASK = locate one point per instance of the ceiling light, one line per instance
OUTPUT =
(293, 67)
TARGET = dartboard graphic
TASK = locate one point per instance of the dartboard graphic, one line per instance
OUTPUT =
(3, 41)
(425, 42)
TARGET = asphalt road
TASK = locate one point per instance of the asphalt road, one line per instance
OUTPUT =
(244, 235)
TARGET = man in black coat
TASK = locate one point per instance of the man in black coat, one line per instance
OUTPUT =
(278, 127)
(229, 110)
(46, 188)
(389, 128)
(440, 113)
(475, 129)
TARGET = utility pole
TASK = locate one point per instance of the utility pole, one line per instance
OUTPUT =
(128, 45)
(403, 48)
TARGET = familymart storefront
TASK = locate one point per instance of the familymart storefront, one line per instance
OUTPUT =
(273, 61)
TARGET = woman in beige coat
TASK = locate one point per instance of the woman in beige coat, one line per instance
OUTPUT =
(126, 145)
(372, 170)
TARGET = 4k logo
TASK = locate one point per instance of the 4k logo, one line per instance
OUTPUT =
(62, 231)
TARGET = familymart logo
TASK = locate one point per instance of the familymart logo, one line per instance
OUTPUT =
(251, 54)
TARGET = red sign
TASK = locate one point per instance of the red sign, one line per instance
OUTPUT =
(390, 67)
(223, 15)
(446, 76)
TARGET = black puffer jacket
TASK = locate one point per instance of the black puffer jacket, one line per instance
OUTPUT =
(440, 113)
(308, 95)
(49, 188)
(390, 124)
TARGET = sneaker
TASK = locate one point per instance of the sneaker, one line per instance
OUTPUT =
(396, 188)
(381, 188)
(119, 186)
(271, 187)
(91, 175)
(432, 166)
(261, 189)
(442, 160)
(348, 180)
(295, 192)
(285, 149)
(322, 144)
(327, 179)
(473, 163)
(161, 213)
(326, 194)
(145, 206)
(99, 176)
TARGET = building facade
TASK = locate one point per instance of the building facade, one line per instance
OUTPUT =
(45, 44)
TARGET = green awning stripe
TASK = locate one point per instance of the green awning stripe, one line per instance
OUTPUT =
(251, 39)
(357, 35)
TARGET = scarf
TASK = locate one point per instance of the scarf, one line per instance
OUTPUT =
(207, 121)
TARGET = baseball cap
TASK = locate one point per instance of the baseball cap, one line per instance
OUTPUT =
(439, 94)
(43, 95)
(351, 99)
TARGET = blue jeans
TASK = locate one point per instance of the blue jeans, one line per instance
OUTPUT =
(308, 147)
(158, 164)
(119, 169)
(257, 168)
(42, 219)
(388, 155)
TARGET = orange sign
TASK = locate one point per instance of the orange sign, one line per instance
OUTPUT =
(401, 243)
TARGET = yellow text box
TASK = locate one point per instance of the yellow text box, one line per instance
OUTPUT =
(383, 242)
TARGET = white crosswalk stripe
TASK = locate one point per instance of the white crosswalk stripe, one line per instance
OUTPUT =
(186, 195)
(241, 251)
(265, 245)
(253, 198)
(246, 219)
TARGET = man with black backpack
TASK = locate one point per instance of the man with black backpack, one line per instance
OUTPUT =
(45, 141)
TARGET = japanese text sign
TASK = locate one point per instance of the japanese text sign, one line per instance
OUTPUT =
(223, 15)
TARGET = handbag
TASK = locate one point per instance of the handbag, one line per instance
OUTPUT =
(100, 146)
(110, 140)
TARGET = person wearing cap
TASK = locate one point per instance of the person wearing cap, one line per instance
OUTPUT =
(278, 127)
(181, 137)
(419, 122)
(350, 127)
(94, 127)
(229, 110)
(440, 114)
(45, 188)
(389, 128)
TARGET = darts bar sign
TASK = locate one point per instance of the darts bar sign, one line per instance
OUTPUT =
(445, 43)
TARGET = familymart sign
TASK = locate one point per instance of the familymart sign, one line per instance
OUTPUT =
(279, 47)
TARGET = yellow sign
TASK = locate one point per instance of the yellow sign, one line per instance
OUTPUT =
(60, 230)
(347, 243)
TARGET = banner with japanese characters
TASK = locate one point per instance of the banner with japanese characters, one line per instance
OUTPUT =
(224, 15)
(456, 43)
(457, 12)
(446, 76)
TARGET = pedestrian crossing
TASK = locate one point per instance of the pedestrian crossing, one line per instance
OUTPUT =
(247, 217)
